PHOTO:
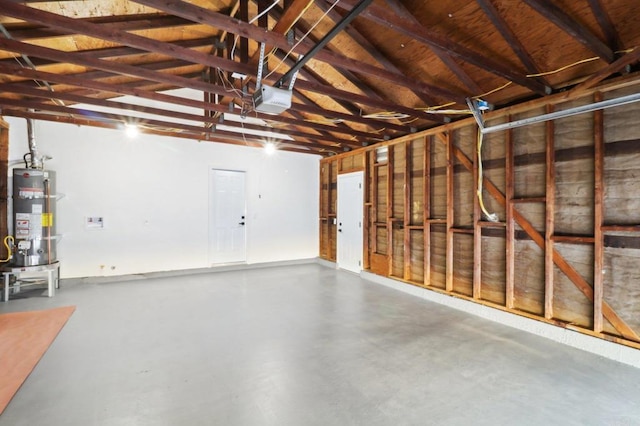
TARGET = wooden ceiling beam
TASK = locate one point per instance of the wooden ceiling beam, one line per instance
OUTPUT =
(124, 90)
(310, 107)
(606, 24)
(353, 97)
(217, 20)
(617, 66)
(381, 15)
(509, 36)
(122, 37)
(136, 71)
(353, 109)
(458, 71)
(118, 126)
(150, 86)
(151, 66)
(445, 57)
(136, 89)
(243, 42)
(120, 51)
(292, 14)
(206, 133)
(286, 20)
(368, 47)
(346, 99)
(100, 64)
(54, 20)
(61, 22)
(276, 12)
(78, 99)
(118, 118)
(565, 22)
(26, 31)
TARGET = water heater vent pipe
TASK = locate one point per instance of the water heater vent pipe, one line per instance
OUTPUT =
(36, 160)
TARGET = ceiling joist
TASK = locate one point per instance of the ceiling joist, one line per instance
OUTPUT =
(399, 67)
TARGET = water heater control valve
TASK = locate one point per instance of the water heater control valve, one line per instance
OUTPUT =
(24, 245)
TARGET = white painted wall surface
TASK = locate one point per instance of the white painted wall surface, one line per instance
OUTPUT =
(153, 195)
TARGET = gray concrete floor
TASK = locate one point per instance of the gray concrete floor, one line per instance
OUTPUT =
(302, 345)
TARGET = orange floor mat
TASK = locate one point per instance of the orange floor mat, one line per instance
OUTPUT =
(24, 338)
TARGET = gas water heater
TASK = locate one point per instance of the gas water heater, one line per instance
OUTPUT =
(34, 217)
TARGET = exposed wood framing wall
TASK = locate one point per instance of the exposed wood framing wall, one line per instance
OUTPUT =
(566, 246)
(4, 170)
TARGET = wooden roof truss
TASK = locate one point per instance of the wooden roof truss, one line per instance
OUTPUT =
(399, 67)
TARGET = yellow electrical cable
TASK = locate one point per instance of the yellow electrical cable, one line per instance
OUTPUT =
(433, 108)
(405, 123)
(326, 121)
(9, 253)
(490, 216)
(504, 86)
(387, 115)
(583, 61)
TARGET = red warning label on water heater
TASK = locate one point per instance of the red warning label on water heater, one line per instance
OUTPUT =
(22, 225)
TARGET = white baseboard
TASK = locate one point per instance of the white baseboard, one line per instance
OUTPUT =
(327, 263)
(181, 272)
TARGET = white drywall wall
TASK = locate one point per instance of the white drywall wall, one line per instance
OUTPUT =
(153, 195)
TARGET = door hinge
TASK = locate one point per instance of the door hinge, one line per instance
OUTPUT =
(359, 263)
(359, 186)
(359, 224)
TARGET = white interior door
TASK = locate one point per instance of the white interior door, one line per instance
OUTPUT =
(350, 218)
(227, 213)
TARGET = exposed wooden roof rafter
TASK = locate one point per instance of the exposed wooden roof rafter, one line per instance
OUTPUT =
(347, 102)
(106, 124)
(121, 51)
(401, 10)
(510, 37)
(206, 133)
(79, 99)
(369, 47)
(217, 20)
(381, 16)
(400, 67)
(123, 69)
(121, 23)
(608, 28)
(564, 21)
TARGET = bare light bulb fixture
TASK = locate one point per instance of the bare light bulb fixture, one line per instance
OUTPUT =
(270, 148)
(131, 130)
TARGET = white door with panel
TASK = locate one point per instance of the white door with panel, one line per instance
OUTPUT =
(350, 221)
(227, 213)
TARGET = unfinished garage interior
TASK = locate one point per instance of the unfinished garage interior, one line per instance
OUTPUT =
(321, 212)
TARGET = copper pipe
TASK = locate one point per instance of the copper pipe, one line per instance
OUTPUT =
(47, 210)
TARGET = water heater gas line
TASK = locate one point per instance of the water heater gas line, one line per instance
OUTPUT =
(9, 247)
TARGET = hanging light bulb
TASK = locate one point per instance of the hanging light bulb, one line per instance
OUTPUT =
(131, 130)
(269, 148)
